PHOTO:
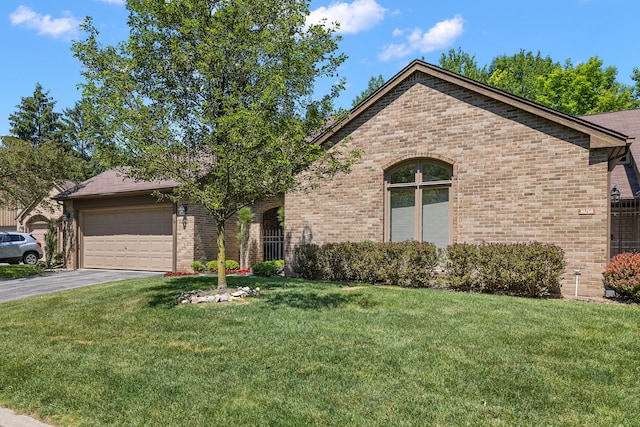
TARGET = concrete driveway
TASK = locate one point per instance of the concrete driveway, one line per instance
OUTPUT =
(13, 289)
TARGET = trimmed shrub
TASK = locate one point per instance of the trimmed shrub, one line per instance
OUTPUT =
(409, 264)
(268, 268)
(230, 265)
(306, 262)
(197, 266)
(622, 274)
(531, 269)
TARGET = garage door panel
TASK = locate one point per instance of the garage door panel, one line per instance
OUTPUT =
(139, 239)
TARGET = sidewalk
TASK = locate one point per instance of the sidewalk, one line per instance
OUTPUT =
(8, 418)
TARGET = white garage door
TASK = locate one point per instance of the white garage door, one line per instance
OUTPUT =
(128, 239)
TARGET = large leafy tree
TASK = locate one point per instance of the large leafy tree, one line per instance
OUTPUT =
(586, 88)
(34, 157)
(217, 95)
(463, 63)
(27, 173)
(35, 119)
(521, 74)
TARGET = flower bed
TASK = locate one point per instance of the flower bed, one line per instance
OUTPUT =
(243, 272)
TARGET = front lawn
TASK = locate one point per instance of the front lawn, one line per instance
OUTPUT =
(16, 271)
(310, 353)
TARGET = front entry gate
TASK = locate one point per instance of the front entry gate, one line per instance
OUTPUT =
(625, 226)
(272, 236)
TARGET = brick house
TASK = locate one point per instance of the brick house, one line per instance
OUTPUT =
(444, 159)
(447, 159)
(117, 224)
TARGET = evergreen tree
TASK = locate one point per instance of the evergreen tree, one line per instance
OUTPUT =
(35, 120)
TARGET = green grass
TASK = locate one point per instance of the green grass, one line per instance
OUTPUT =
(17, 271)
(309, 353)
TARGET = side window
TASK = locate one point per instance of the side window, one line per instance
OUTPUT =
(16, 237)
(417, 194)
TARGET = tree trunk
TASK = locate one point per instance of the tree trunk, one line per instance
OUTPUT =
(222, 256)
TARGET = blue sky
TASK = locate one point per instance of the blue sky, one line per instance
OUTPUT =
(380, 37)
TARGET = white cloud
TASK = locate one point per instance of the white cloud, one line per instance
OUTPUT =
(65, 28)
(441, 35)
(354, 17)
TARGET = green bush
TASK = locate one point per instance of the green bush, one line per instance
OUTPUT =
(409, 264)
(268, 268)
(230, 264)
(197, 266)
(57, 258)
(212, 266)
(306, 263)
(622, 274)
(532, 269)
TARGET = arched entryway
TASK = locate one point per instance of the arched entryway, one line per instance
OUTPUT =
(272, 235)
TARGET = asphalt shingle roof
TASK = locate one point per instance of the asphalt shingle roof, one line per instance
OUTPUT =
(114, 182)
(624, 176)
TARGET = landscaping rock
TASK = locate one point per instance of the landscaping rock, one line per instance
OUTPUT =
(217, 295)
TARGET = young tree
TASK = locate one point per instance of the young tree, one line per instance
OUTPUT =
(35, 121)
(217, 95)
(245, 217)
(51, 241)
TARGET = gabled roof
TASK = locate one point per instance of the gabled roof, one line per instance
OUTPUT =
(600, 136)
(113, 182)
(57, 188)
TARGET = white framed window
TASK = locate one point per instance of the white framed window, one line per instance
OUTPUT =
(418, 202)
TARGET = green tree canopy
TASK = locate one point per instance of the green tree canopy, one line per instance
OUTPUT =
(373, 85)
(462, 63)
(520, 74)
(586, 88)
(35, 120)
(28, 174)
(217, 95)
(38, 154)
(75, 135)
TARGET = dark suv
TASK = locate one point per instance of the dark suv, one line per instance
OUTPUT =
(16, 247)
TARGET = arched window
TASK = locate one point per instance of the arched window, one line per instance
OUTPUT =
(417, 197)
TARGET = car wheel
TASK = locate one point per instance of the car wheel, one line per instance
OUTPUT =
(30, 258)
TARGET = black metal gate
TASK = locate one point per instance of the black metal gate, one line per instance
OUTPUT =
(272, 236)
(625, 225)
(273, 244)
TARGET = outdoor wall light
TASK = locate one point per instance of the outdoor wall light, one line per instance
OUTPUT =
(67, 216)
(182, 211)
(615, 194)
